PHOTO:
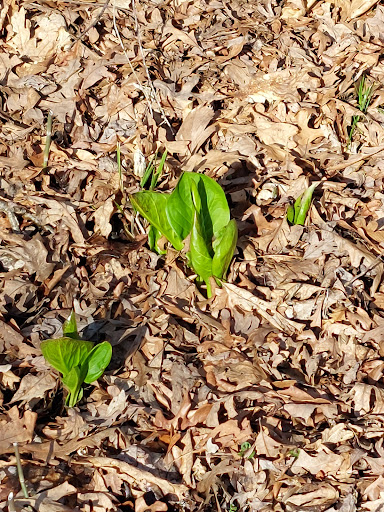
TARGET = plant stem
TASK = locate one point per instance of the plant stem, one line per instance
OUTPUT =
(118, 157)
(11, 503)
(48, 139)
(20, 471)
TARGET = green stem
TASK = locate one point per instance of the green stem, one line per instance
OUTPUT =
(118, 156)
(11, 502)
(20, 471)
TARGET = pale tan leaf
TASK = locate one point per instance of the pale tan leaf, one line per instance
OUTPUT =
(240, 297)
(15, 429)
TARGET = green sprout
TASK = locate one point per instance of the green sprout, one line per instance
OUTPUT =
(364, 92)
(297, 213)
(152, 172)
(295, 452)
(244, 448)
(197, 208)
(79, 361)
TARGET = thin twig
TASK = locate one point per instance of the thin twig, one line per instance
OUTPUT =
(48, 139)
(139, 85)
(93, 24)
(376, 262)
(154, 93)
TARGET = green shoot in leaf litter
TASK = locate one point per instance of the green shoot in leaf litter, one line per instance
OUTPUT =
(197, 207)
(79, 361)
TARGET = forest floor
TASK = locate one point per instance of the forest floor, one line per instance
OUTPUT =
(268, 396)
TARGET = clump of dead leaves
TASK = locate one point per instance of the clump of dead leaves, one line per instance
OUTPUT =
(270, 395)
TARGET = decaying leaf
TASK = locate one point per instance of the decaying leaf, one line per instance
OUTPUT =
(269, 394)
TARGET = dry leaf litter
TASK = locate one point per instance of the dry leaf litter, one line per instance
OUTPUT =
(270, 396)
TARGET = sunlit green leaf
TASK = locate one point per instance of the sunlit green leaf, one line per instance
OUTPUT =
(72, 382)
(152, 206)
(97, 361)
(199, 253)
(297, 213)
(65, 353)
(70, 327)
(154, 236)
(224, 247)
(305, 203)
(214, 207)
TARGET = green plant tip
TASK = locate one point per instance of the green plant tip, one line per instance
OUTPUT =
(79, 361)
(197, 208)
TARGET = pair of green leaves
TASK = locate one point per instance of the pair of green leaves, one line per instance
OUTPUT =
(197, 207)
(79, 361)
(297, 213)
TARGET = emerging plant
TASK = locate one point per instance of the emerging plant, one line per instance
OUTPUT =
(152, 170)
(77, 360)
(297, 213)
(244, 449)
(197, 207)
(364, 92)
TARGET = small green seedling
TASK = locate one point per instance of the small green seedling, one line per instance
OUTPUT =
(152, 172)
(295, 452)
(79, 361)
(244, 448)
(197, 208)
(297, 213)
(364, 92)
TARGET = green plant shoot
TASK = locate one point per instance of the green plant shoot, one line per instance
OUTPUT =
(297, 213)
(364, 92)
(152, 172)
(197, 207)
(79, 361)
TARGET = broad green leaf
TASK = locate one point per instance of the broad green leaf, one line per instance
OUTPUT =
(305, 202)
(179, 208)
(65, 353)
(214, 213)
(214, 206)
(199, 254)
(224, 247)
(152, 206)
(196, 200)
(70, 327)
(97, 361)
(154, 236)
(72, 382)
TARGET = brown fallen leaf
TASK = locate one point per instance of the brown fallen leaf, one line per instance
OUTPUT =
(195, 129)
(10, 339)
(313, 495)
(135, 475)
(30, 255)
(327, 463)
(15, 429)
(34, 387)
(240, 297)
